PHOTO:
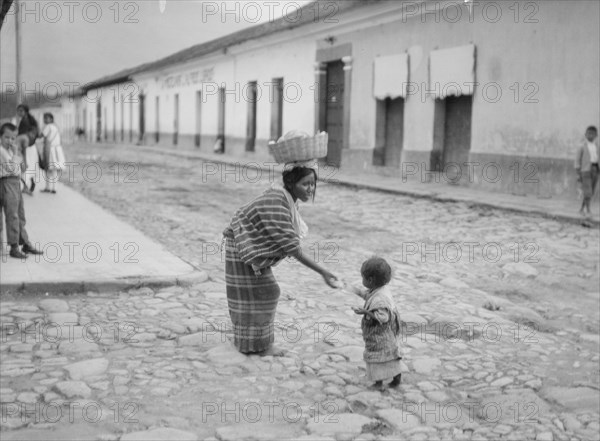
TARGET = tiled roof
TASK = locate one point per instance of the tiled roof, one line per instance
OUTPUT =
(306, 15)
(119, 77)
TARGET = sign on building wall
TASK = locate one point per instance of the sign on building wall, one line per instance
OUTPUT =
(188, 79)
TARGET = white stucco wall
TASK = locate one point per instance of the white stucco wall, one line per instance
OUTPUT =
(553, 61)
(547, 73)
(290, 61)
(120, 101)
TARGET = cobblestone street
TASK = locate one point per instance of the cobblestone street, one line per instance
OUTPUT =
(500, 312)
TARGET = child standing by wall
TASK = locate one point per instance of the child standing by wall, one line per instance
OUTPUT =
(380, 323)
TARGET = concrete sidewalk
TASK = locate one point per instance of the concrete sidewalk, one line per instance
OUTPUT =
(554, 208)
(86, 248)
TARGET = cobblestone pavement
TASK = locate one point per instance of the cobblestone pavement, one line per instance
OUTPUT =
(500, 311)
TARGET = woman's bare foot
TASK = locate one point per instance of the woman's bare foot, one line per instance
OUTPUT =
(273, 350)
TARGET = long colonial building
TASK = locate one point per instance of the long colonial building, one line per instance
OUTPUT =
(485, 93)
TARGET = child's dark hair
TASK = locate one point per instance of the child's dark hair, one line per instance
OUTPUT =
(7, 126)
(49, 116)
(592, 128)
(378, 270)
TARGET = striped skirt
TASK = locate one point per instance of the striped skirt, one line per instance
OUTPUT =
(252, 302)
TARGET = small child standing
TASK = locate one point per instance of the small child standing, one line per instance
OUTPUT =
(380, 323)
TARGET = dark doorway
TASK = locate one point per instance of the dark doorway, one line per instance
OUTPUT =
(176, 120)
(198, 118)
(390, 132)
(457, 136)
(84, 124)
(277, 109)
(122, 119)
(105, 125)
(157, 134)
(335, 112)
(142, 117)
(130, 119)
(251, 122)
(220, 144)
(115, 118)
(99, 120)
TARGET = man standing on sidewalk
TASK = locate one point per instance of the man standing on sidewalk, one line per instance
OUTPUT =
(11, 199)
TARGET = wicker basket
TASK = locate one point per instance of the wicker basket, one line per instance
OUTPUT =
(299, 149)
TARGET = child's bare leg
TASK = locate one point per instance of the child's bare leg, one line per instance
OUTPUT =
(396, 381)
(53, 179)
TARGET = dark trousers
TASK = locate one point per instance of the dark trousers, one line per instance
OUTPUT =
(11, 203)
(588, 182)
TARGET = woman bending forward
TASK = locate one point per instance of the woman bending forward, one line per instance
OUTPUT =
(260, 235)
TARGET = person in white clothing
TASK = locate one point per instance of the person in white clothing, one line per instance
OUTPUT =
(586, 165)
(53, 153)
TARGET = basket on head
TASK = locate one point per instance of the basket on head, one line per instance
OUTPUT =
(298, 146)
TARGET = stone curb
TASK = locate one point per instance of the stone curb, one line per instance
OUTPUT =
(577, 220)
(106, 285)
(436, 197)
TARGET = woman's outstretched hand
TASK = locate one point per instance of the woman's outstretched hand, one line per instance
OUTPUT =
(332, 280)
(329, 278)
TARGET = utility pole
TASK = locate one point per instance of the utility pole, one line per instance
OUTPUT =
(18, 47)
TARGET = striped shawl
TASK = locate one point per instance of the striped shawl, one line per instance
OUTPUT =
(263, 231)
